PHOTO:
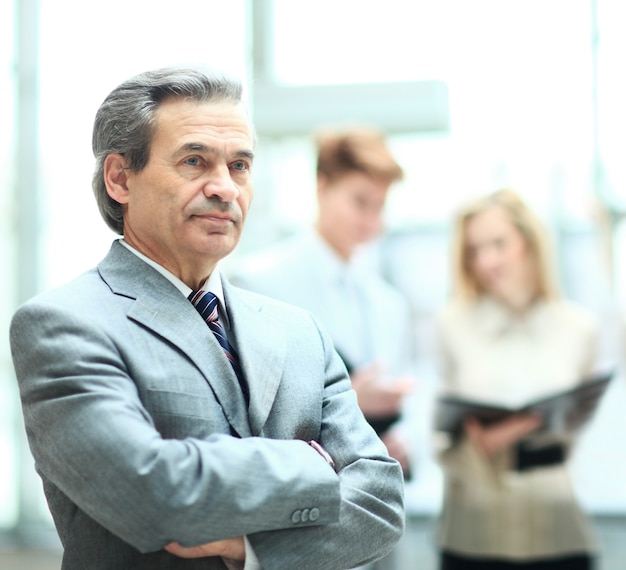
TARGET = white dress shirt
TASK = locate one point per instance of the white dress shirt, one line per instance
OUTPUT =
(368, 320)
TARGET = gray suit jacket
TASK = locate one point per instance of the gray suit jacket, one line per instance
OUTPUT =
(142, 437)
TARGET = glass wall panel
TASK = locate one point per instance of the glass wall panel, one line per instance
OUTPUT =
(85, 50)
(611, 93)
(521, 105)
(102, 47)
(10, 417)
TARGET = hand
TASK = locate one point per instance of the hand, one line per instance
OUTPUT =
(379, 398)
(233, 548)
(501, 435)
(397, 448)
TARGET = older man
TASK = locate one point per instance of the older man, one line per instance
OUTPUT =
(176, 421)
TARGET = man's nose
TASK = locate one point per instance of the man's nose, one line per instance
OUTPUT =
(221, 185)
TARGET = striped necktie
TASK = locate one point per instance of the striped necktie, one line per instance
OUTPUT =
(206, 303)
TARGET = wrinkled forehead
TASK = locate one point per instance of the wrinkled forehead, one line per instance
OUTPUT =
(183, 121)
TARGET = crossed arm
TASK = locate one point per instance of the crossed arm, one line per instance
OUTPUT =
(87, 427)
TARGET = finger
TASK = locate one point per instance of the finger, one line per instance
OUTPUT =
(511, 431)
(473, 429)
(189, 551)
(176, 549)
(523, 425)
(476, 434)
(405, 386)
(362, 376)
(401, 385)
(472, 425)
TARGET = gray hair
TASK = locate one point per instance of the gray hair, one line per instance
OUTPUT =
(125, 121)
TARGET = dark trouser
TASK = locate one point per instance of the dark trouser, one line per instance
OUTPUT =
(454, 562)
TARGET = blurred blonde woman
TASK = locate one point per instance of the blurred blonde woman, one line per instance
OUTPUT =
(508, 337)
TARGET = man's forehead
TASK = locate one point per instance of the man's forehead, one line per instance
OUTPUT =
(194, 123)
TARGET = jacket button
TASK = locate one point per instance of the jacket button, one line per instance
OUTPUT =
(305, 515)
(296, 517)
(314, 514)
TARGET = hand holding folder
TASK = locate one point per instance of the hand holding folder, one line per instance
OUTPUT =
(562, 412)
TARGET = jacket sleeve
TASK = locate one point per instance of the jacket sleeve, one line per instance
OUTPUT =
(371, 518)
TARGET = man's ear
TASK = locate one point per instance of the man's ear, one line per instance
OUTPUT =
(116, 177)
(322, 183)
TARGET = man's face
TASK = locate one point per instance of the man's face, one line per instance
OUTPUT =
(187, 207)
(350, 210)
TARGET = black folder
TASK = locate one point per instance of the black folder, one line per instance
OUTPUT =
(562, 412)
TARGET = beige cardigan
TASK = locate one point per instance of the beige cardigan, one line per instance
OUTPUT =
(488, 353)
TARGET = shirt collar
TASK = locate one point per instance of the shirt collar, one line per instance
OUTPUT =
(331, 265)
(213, 282)
(328, 261)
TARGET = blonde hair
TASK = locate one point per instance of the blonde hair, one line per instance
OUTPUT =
(465, 285)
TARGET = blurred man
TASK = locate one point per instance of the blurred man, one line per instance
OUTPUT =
(368, 320)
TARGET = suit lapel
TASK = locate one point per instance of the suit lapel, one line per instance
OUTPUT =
(262, 349)
(160, 307)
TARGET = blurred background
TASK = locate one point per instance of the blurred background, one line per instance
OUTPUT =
(473, 95)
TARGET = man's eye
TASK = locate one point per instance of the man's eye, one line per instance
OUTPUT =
(192, 161)
(240, 165)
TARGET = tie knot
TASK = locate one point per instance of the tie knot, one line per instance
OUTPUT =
(206, 304)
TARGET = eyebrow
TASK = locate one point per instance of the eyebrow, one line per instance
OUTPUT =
(204, 149)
